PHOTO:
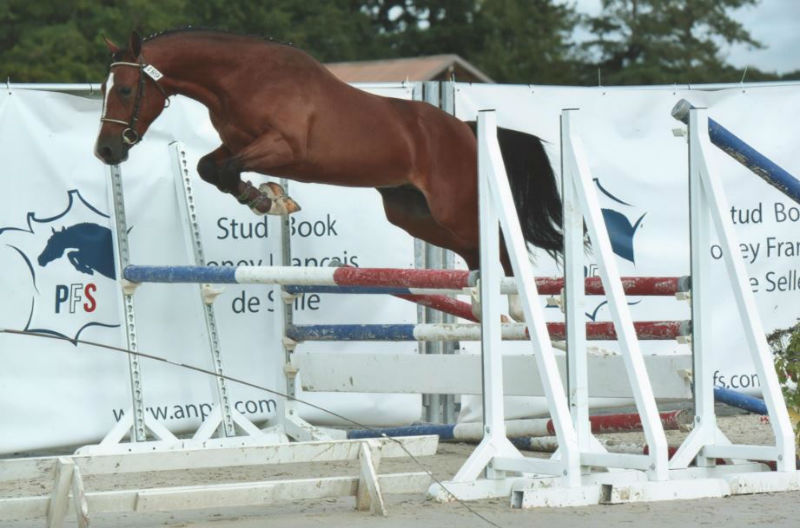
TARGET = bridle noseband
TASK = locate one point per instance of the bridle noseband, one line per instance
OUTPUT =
(129, 134)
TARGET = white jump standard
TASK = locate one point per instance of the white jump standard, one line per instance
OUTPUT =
(564, 479)
(627, 477)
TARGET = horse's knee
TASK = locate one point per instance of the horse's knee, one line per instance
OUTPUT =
(222, 173)
(207, 169)
(229, 175)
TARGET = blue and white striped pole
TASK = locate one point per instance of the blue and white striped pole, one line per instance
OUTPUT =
(740, 400)
(759, 164)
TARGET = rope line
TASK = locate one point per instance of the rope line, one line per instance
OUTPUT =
(262, 388)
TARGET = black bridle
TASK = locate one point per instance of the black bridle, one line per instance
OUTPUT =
(129, 135)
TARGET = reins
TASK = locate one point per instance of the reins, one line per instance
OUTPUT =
(129, 135)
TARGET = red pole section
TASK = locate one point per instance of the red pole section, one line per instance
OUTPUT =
(646, 330)
(457, 279)
(444, 304)
(596, 331)
(632, 285)
(620, 423)
(401, 278)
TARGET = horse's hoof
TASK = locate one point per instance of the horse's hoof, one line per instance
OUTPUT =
(261, 205)
(476, 308)
(281, 204)
(515, 308)
(272, 190)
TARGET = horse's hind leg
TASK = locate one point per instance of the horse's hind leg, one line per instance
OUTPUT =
(515, 309)
(406, 207)
(220, 168)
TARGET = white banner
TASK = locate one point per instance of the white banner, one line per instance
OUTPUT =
(55, 244)
(641, 170)
(56, 250)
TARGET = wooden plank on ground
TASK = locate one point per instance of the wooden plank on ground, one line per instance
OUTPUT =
(214, 496)
(318, 451)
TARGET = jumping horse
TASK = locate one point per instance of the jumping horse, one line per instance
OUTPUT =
(280, 112)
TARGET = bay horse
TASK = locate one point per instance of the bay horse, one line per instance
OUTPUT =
(280, 112)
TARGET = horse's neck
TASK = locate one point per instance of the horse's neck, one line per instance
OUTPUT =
(199, 70)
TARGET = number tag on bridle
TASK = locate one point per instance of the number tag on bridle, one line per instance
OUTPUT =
(152, 72)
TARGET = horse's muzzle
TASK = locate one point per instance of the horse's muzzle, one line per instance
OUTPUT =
(110, 151)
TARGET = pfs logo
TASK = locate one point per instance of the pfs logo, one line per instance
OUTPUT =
(65, 267)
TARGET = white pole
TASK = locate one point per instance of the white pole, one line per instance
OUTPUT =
(745, 301)
(623, 322)
(503, 203)
(491, 334)
(577, 374)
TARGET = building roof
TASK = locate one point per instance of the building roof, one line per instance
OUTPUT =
(431, 68)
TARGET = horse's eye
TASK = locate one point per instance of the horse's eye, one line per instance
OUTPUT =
(124, 90)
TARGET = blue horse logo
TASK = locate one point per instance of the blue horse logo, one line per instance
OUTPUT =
(620, 229)
(88, 248)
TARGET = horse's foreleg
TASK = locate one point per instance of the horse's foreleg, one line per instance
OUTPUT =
(515, 308)
(224, 170)
(266, 153)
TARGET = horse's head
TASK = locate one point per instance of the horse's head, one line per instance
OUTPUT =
(53, 249)
(132, 99)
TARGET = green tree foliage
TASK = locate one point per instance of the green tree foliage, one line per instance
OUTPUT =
(523, 41)
(665, 41)
(527, 41)
(519, 41)
(331, 30)
(787, 365)
(411, 28)
(62, 41)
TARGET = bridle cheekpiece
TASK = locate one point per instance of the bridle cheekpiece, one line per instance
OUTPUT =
(129, 134)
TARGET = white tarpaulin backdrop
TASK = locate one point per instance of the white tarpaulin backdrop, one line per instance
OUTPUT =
(56, 393)
(640, 168)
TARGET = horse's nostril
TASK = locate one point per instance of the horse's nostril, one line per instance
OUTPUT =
(106, 153)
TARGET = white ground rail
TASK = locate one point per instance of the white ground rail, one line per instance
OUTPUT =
(66, 494)
(139, 443)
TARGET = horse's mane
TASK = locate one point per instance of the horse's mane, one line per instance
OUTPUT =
(214, 31)
(202, 29)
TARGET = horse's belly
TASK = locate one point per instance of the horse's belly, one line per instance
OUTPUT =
(348, 175)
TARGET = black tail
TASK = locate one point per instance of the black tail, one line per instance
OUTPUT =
(533, 185)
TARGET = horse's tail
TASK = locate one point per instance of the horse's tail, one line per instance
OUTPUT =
(533, 186)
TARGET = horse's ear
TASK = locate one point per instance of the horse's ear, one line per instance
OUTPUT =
(113, 48)
(53, 229)
(135, 44)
